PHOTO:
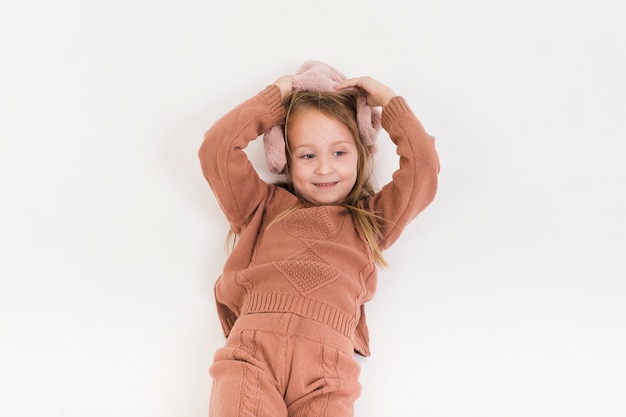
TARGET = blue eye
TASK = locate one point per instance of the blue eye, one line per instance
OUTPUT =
(308, 156)
(340, 153)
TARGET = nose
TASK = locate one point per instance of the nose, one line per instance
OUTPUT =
(324, 165)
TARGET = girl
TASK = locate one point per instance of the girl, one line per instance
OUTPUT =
(291, 295)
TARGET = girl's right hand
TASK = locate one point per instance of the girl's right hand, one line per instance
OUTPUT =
(285, 84)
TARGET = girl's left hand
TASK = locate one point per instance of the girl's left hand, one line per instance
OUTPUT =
(378, 94)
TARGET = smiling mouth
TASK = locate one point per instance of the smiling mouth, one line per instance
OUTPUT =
(325, 184)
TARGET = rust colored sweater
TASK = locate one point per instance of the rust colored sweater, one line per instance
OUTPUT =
(312, 262)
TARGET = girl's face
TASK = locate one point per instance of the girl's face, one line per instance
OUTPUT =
(323, 157)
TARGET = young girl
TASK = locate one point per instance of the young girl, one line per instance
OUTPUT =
(291, 295)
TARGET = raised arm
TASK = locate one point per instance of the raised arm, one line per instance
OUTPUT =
(414, 183)
(237, 187)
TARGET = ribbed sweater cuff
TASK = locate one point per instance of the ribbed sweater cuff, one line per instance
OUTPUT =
(393, 110)
(274, 99)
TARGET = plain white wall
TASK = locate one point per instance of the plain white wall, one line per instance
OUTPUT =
(505, 298)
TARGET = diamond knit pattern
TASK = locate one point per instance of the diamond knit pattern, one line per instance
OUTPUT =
(307, 271)
(311, 224)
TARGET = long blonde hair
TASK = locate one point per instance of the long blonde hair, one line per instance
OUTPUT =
(341, 107)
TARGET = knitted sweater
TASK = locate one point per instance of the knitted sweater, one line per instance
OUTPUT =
(312, 262)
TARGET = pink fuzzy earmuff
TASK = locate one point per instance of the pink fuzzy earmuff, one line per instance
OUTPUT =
(318, 76)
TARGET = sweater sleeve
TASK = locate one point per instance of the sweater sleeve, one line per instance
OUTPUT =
(237, 187)
(414, 183)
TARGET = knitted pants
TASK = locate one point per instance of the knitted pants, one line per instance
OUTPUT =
(283, 365)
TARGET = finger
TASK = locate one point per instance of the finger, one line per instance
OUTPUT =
(351, 82)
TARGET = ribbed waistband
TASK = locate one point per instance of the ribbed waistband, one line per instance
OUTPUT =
(315, 310)
(291, 325)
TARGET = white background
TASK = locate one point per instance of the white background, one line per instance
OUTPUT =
(506, 297)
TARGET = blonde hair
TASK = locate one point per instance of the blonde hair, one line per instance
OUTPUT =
(341, 107)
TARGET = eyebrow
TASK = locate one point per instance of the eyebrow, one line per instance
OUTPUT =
(339, 142)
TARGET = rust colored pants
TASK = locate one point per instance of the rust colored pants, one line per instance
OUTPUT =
(283, 365)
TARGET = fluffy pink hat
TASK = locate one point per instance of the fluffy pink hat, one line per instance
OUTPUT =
(318, 76)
